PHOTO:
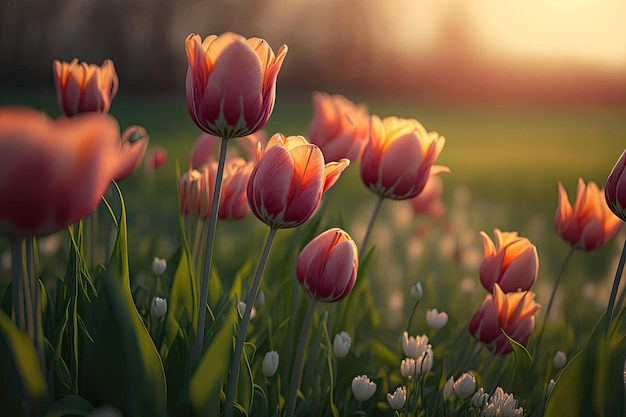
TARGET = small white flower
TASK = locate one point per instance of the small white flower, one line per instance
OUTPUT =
(424, 363)
(407, 368)
(397, 399)
(448, 388)
(363, 388)
(480, 398)
(417, 292)
(270, 363)
(560, 359)
(341, 344)
(242, 309)
(465, 385)
(435, 319)
(414, 347)
(159, 265)
(158, 307)
(503, 404)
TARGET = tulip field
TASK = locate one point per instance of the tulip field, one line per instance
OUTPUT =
(240, 251)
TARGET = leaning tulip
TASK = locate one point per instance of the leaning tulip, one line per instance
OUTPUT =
(590, 223)
(83, 87)
(53, 172)
(513, 313)
(615, 188)
(231, 83)
(512, 262)
(134, 144)
(288, 181)
(339, 127)
(270, 363)
(399, 157)
(327, 266)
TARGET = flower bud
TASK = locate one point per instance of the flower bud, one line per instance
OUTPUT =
(397, 399)
(465, 385)
(435, 319)
(448, 388)
(479, 399)
(414, 347)
(341, 344)
(159, 265)
(559, 360)
(416, 292)
(407, 368)
(242, 309)
(270, 363)
(363, 388)
(158, 307)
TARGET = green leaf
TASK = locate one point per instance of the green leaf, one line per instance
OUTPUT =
(73, 405)
(24, 389)
(523, 358)
(121, 367)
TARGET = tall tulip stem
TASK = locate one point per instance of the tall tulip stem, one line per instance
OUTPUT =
(370, 226)
(296, 370)
(198, 346)
(245, 321)
(616, 281)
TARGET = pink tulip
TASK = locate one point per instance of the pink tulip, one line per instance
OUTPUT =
(513, 313)
(615, 188)
(231, 83)
(134, 143)
(327, 266)
(339, 127)
(155, 159)
(234, 198)
(83, 87)
(53, 172)
(399, 157)
(196, 191)
(590, 224)
(206, 148)
(512, 262)
(428, 201)
(288, 181)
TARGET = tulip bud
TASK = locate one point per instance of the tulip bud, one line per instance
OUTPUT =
(341, 344)
(414, 347)
(158, 307)
(479, 399)
(435, 319)
(551, 385)
(424, 363)
(363, 388)
(417, 292)
(407, 368)
(397, 399)
(465, 385)
(448, 388)
(159, 265)
(559, 360)
(270, 363)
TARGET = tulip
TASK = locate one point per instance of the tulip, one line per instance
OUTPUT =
(428, 201)
(231, 83)
(502, 404)
(270, 363)
(407, 368)
(397, 399)
(159, 265)
(435, 319)
(287, 183)
(448, 388)
(341, 344)
(559, 360)
(196, 192)
(417, 292)
(465, 385)
(155, 159)
(53, 172)
(511, 312)
(590, 223)
(83, 88)
(158, 307)
(204, 150)
(512, 262)
(480, 398)
(339, 127)
(425, 362)
(414, 347)
(363, 388)
(134, 143)
(399, 157)
(327, 266)
(615, 188)
(234, 198)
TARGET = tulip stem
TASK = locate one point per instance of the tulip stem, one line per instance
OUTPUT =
(243, 326)
(296, 369)
(370, 226)
(616, 281)
(198, 346)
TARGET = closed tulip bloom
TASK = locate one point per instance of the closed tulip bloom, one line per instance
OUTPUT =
(363, 388)
(341, 344)
(231, 83)
(559, 360)
(397, 399)
(448, 388)
(407, 368)
(339, 127)
(234, 198)
(270, 363)
(158, 307)
(512, 312)
(590, 223)
(53, 172)
(288, 181)
(417, 292)
(425, 363)
(414, 347)
(398, 159)
(435, 319)
(159, 265)
(327, 266)
(465, 385)
(615, 188)
(511, 262)
(134, 144)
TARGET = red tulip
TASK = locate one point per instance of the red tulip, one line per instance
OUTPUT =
(512, 262)
(83, 87)
(339, 127)
(327, 266)
(513, 313)
(615, 188)
(399, 157)
(288, 181)
(428, 201)
(590, 224)
(231, 83)
(53, 172)
(134, 143)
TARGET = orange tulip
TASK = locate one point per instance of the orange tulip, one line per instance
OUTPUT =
(513, 313)
(231, 83)
(615, 188)
(134, 144)
(399, 157)
(512, 262)
(339, 127)
(428, 201)
(83, 88)
(590, 224)
(288, 181)
(53, 172)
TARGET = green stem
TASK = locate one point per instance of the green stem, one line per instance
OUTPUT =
(370, 226)
(616, 280)
(296, 370)
(198, 346)
(243, 326)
